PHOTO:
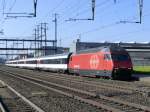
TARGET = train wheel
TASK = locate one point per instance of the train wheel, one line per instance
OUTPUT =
(114, 76)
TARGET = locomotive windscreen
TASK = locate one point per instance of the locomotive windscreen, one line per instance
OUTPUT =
(120, 57)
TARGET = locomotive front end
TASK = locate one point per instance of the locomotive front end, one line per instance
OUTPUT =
(122, 66)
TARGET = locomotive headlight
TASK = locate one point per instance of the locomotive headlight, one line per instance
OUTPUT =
(115, 70)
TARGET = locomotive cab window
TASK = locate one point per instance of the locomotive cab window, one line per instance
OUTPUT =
(107, 57)
(120, 57)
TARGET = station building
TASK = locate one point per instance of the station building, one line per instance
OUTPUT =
(139, 52)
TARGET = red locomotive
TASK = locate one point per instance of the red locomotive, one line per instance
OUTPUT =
(111, 61)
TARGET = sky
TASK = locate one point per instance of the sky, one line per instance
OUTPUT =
(105, 27)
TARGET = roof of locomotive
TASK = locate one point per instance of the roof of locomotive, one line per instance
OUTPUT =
(111, 48)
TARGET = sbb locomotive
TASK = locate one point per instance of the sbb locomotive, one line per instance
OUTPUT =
(109, 61)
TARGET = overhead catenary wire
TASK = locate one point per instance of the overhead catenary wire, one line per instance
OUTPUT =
(100, 4)
(74, 6)
(58, 7)
(71, 8)
(47, 14)
(89, 18)
(140, 5)
(9, 10)
(87, 10)
(12, 6)
(4, 6)
(109, 26)
(10, 14)
(99, 28)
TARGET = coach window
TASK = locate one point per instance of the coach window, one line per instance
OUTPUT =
(27, 62)
(21, 62)
(57, 61)
(64, 61)
(48, 61)
(31, 62)
(44, 61)
(34, 62)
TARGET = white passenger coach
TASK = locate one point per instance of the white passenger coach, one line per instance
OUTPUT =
(56, 63)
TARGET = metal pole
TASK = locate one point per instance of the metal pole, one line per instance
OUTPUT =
(45, 33)
(41, 39)
(35, 34)
(93, 9)
(35, 7)
(141, 9)
(38, 39)
(55, 20)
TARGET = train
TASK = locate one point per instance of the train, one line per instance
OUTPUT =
(108, 61)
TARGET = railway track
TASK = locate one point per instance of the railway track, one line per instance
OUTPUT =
(82, 101)
(2, 109)
(16, 103)
(80, 83)
(121, 87)
(99, 101)
(126, 87)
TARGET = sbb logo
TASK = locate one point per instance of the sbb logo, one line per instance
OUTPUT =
(94, 62)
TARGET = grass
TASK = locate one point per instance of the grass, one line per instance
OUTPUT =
(141, 69)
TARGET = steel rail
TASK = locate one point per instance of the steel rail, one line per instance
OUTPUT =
(90, 83)
(95, 95)
(2, 109)
(22, 97)
(110, 86)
